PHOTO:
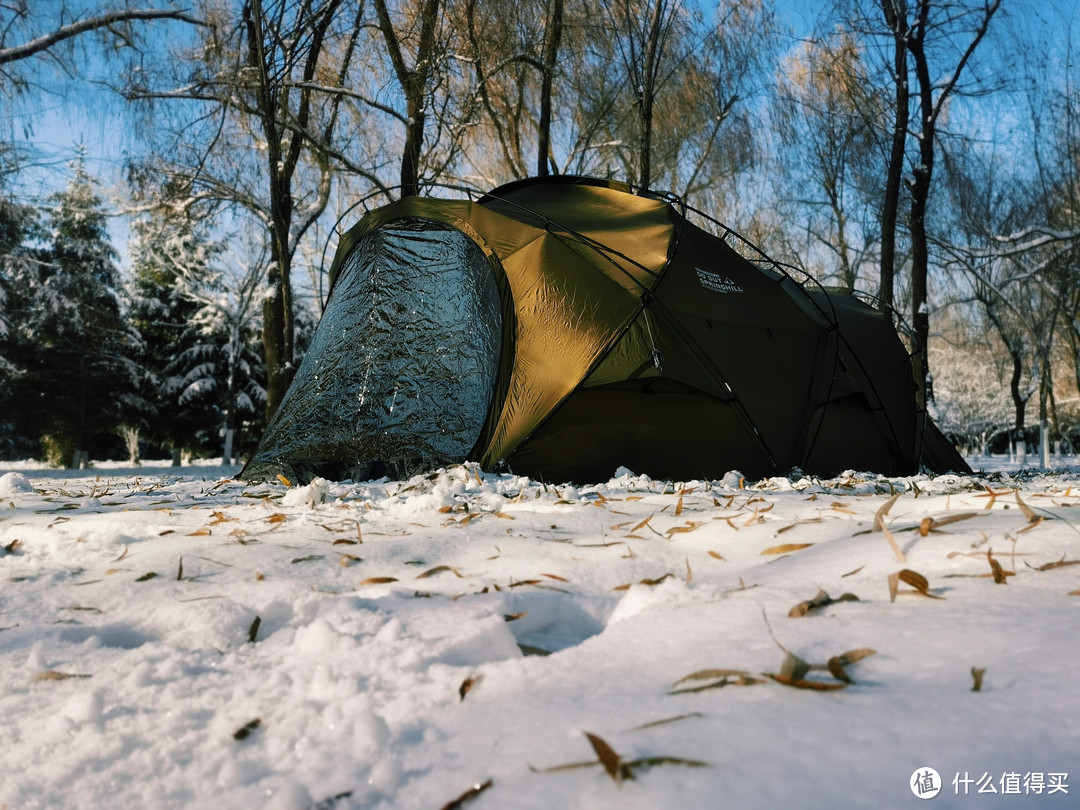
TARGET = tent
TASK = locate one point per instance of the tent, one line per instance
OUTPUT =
(563, 327)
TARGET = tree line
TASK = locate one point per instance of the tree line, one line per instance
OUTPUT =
(922, 153)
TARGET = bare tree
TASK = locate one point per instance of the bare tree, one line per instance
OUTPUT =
(828, 111)
(896, 20)
(270, 82)
(17, 22)
(414, 75)
(950, 20)
(665, 92)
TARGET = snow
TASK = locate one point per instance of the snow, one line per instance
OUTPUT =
(377, 644)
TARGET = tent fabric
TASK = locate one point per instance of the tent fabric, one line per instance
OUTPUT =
(563, 327)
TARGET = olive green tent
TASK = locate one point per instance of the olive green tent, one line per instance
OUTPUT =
(563, 327)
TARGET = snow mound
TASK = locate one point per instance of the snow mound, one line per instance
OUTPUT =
(13, 483)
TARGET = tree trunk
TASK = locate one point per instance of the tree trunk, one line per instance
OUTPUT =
(920, 194)
(285, 138)
(552, 39)
(414, 84)
(896, 17)
(278, 328)
(646, 93)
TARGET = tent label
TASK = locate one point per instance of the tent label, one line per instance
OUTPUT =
(716, 282)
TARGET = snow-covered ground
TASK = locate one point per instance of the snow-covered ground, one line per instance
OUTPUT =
(174, 638)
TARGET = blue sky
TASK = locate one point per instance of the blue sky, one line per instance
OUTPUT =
(93, 117)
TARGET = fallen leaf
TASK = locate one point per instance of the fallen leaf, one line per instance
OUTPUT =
(1029, 513)
(471, 793)
(468, 684)
(817, 686)
(665, 721)
(879, 516)
(520, 582)
(928, 525)
(53, 675)
(718, 679)
(1062, 563)
(712, 674)
(646, 581)
(378, 580)
(820, 600)
(853, 573)
(253, 631)
(836, 669)
(1032, 524)
(786, 548)
(715, 555)
(203, 532)
(793, 666)
(608, 758)
(805, 522)
(836, 664)
(993, 496)
(652, 762)
(438, 569)
(899, 552)
(977, 677)
(912, 578)
(146, 576)
(245, 730)
(851, 656)
(284, 480)
(995, 569)
(690, 526)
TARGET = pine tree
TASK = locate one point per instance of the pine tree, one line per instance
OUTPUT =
(170, 254)
(79, 375)
(200, 341)
(17, 227)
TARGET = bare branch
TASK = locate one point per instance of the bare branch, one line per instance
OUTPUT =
(66, 32)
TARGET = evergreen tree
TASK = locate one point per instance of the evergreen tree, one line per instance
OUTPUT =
(17, 225)
(200, 344)
(170, 255)
(79, 374)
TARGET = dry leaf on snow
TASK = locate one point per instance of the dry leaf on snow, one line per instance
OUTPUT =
(912, 578)
(471, 793)
(977, 677)
(786, 548)
(820, 600)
